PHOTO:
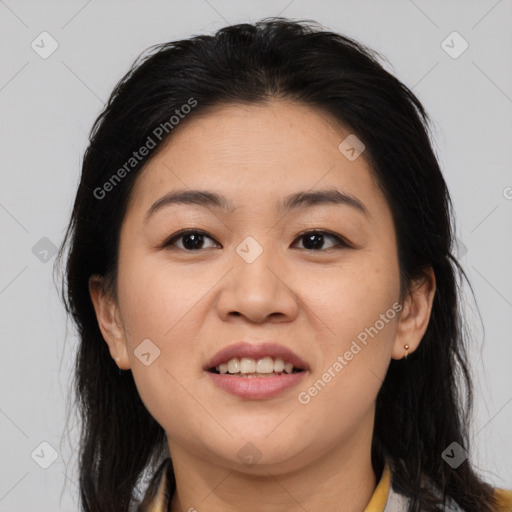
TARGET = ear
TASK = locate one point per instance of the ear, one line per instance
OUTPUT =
(107, 315)
(415, 315)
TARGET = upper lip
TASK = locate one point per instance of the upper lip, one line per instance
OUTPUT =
(245, 349)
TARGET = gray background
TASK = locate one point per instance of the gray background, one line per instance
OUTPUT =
(48, 107)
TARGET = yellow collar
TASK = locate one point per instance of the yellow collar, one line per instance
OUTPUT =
(160, 490)
(379, 497)
(159, 494)
(382, 493)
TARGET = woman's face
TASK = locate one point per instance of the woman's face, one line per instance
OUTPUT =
(256, 275)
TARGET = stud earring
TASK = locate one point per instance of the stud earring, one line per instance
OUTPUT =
(406, 347)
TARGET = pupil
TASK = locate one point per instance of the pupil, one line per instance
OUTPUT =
(314, 245)
(197, 240)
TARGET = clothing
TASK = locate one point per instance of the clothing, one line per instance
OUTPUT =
(384, 499)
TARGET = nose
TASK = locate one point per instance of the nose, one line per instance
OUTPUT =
(258, 291)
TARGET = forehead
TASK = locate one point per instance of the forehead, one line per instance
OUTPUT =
(254, 154)
(274, 133)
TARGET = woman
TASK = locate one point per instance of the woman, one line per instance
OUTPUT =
(261, 242)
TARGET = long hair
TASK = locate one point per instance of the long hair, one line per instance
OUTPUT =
(424, 403)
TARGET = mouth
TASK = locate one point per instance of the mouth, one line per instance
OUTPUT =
(256, 372)
(250, 360)
(249, 367)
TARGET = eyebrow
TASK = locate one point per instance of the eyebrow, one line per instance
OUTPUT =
(209, 199)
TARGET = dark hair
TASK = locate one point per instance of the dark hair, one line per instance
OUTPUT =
(424, 403)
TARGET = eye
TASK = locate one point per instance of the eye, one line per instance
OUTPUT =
(314, 239)
(193, 239)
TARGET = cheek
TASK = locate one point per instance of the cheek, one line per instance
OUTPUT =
(351, 298)
(158, 307)
(357, 306)
(156, 297)
(354, 341)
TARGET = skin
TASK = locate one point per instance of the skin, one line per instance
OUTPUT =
(190, 304)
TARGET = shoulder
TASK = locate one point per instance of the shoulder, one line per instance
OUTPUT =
(399, 503)
(395, 501)
(504, 500)
(159, 492)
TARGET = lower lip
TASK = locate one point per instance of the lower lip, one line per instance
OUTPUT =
(256, 387)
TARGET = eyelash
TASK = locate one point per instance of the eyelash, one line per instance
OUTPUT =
(342, 243)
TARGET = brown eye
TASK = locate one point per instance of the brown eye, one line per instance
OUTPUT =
(192, 239)
(314, 240)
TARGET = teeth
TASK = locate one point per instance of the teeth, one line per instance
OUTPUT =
(247, 365)
(233, 365)
(265, 365)
(278, 365)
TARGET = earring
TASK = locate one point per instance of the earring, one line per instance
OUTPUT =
(406, 347)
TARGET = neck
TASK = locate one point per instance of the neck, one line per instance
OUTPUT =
(342, 478)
